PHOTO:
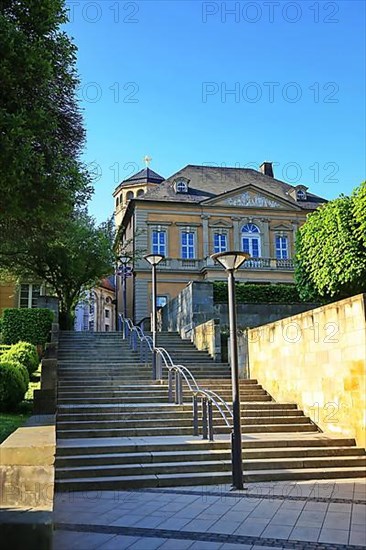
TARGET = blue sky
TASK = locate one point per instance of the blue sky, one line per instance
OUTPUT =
(224, 83)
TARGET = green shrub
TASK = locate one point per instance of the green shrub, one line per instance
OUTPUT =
(29, 325)
(258, 293)
(22, 369)
(25, 353)
(12, 385)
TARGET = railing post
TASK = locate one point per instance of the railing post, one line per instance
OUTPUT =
(176, 387)
(170, 386)
(210, 421)
(180, 388)
(195, 415)
(204, 418)
(159, 367)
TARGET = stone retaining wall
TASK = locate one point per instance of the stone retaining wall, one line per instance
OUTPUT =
(317, 360)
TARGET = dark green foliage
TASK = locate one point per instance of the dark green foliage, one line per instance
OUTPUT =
(25, 353)
(258, 293)
(22, 369)
(76, 260)
(330, 258)
(41, 128)
(29, 325)
(12, 385)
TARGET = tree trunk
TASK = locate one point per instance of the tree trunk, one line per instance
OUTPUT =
(66, 316)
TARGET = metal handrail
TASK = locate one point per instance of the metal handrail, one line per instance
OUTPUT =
(208, 397)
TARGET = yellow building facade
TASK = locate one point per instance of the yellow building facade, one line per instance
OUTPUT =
(201, 210)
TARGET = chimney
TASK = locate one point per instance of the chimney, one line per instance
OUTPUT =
(266, 169)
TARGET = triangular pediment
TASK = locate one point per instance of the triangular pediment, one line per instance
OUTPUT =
(220, 223)
(250, 196)
(281, 227)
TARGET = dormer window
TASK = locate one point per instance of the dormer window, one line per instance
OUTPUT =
(181, 186)
(301, 195)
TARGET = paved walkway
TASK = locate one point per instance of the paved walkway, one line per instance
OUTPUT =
(289, 515)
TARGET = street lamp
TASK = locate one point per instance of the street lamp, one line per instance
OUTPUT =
(154, 260)
(231, 261)
(124, 259)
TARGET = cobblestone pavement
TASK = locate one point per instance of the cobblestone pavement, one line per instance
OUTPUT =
(290, 515)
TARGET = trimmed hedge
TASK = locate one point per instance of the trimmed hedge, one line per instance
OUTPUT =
(25, 353)
(258, 293)
(13, 385)
(29, 325)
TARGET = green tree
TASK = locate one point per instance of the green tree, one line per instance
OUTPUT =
(42, 136)
(80, 255)
(330, 250)
(359, 213)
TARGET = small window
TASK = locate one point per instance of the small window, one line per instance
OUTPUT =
(220, 242)
(161, 301)
(29, 295)
(117, 201)
(188, 245)
(106, 312)
(181, 186)
(159, 242)
(301, 195)
(91, 326)
(91, 309)
(106, 327)
(129, 195)
(140, 192)
(281, 248)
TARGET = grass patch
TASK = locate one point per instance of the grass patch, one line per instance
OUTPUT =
(9, 422)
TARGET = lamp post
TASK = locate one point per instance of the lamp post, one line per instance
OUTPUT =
(231, 261)
(124, 261)
(154, 260)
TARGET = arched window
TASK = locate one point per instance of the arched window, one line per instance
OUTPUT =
(129, 195)
(140, 192)
(301, 195)
(251, 240)
(117, 201)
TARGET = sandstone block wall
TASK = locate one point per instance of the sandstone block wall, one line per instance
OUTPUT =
(317, 360)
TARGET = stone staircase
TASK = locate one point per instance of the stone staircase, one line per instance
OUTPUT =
(116, 428)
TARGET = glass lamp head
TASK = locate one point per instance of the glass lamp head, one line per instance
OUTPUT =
(124, 259)
(231, 260)
(154, 259)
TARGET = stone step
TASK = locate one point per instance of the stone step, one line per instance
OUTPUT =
(146, 399)
(173, 414)
(122, 392)
(216, 454)
(111, 446)
(199, 478)
(266, 406)
(180, 430)
(157, 468)
(95, 384)
(169, 422)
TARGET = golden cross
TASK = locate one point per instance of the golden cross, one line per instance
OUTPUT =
(147, 160)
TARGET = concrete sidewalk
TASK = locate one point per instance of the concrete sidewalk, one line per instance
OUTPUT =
(289, 515)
